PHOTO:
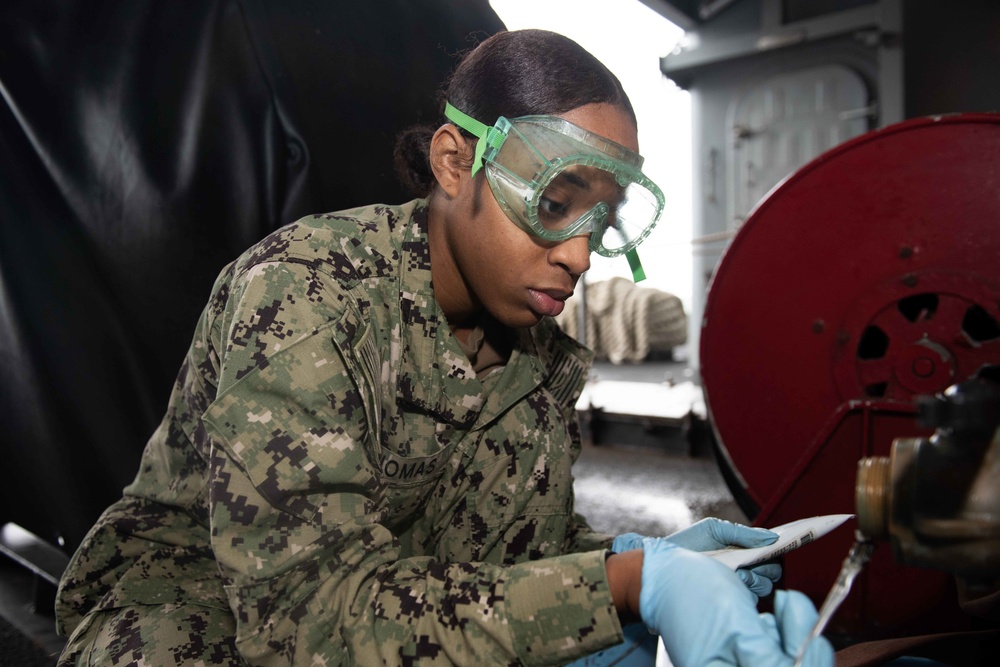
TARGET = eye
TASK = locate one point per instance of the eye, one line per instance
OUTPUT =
(552, 208)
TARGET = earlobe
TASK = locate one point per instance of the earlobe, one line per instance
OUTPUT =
(449, 156)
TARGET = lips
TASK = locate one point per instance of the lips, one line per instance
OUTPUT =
(548, 302)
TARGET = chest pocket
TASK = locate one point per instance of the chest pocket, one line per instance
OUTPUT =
(410, 481)
(403, 445)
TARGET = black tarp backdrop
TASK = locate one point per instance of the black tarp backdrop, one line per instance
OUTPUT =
(143, 145)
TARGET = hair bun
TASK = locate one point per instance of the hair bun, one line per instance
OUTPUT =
(411, 158)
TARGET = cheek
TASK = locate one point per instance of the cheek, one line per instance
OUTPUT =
(505, 246)
(502, 262)
(496, 262)
(515, 253)
(501, 257)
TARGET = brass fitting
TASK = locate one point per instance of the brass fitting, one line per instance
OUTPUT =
(937, 499)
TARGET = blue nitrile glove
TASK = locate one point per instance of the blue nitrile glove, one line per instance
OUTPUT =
(706, 616)
(793, 620)
(711, 533)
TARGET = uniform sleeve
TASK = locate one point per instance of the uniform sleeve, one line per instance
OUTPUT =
(580, 537)
(298, 512)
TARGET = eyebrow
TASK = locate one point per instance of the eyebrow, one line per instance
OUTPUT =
(574, 179)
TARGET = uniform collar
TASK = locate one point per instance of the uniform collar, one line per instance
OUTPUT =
(434, 373)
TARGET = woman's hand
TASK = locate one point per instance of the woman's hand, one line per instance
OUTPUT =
(710, 534)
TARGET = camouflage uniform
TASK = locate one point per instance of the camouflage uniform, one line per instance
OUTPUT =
(333, 484)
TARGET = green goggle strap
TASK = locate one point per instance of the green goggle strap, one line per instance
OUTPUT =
(638, 275)
(489, 136)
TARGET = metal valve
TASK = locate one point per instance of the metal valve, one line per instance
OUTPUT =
(937, 499)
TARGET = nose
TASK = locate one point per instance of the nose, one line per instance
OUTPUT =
(573, 254)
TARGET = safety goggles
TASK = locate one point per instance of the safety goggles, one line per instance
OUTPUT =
(556, 180)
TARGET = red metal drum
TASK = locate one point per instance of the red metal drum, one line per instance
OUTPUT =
(868, 277)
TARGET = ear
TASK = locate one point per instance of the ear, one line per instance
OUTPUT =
(450, 157)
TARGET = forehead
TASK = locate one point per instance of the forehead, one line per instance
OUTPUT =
(606, 120)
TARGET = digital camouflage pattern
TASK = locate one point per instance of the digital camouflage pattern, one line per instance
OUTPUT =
(334, 481)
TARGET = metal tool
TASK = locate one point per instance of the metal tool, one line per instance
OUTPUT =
(859, 554)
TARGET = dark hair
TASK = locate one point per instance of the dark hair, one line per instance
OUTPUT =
(515, 73)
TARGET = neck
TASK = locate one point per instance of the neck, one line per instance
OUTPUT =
(462, 310)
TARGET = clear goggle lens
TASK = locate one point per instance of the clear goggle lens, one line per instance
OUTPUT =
(557, 181)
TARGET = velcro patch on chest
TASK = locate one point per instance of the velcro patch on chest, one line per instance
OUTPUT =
(411, 470)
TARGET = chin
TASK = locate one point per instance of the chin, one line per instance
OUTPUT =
(524, 319)
(529, 321)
